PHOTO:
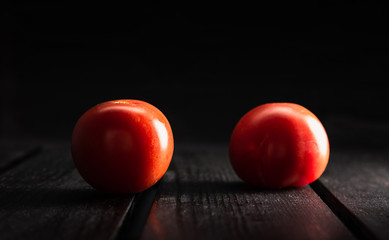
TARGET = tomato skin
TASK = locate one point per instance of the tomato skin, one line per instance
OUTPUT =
(278, 145)
(122, 146)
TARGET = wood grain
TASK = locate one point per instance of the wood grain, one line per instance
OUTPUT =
(45, 198)
(13, 153)
(360, 183)
(200, 197)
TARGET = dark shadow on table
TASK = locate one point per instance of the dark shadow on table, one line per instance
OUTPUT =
(17, 198)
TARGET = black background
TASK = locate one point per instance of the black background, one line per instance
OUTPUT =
(204, 65)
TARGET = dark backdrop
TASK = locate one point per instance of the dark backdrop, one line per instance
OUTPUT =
(204, 65)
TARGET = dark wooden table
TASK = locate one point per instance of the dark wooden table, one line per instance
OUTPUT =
(42, 196)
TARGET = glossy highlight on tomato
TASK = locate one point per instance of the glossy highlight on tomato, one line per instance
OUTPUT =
(122, 146)
(278, 145)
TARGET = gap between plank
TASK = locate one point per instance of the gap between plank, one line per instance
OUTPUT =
(352, 222)
(20, 158)
(136, 217)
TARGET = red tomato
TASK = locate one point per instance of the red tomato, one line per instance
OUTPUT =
(278, 145)
(122, 146)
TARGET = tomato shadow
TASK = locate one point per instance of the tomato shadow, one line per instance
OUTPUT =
(46, 198)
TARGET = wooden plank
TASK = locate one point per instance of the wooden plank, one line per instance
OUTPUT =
(136, 217)
(45, 198)
(356, 185)
(13, 153)
(200, 197)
